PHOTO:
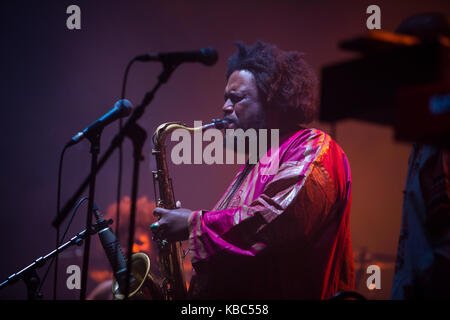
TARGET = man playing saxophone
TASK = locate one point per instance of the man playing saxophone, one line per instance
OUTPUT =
(284, 235)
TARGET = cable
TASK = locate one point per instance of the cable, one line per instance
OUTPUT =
(60, 242)
(119, 179)
(58, 205)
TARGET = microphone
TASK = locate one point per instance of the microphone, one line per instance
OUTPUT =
(121, 109)
(208, 56)
(113, 251)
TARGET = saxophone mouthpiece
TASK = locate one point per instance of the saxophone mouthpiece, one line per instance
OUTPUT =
(219, 123)
(215, 123)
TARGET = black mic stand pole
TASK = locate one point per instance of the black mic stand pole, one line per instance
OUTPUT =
(138, 137)
(95, 150)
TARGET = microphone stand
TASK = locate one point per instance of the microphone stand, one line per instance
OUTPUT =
(95, 150)
(29, 274)
(138, 136)
(130, 129)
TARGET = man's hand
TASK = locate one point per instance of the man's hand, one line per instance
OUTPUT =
(172, 224)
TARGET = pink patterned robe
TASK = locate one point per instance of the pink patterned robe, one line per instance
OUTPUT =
(280, 236)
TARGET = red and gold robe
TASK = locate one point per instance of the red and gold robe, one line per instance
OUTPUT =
(279, 236)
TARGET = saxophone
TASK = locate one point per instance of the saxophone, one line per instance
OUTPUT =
(143, 285)
(173, 284)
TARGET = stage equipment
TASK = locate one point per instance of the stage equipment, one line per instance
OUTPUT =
(121, 109)
(29, 274)
(399, 81)
(138, 135)
(142, 284)
(208, 56)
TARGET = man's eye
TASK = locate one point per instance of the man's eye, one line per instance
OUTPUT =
(235, 99)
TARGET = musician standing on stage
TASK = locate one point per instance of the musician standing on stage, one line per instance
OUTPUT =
(285, 235)
(422, 269)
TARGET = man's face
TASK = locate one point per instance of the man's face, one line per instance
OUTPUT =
(243, 108)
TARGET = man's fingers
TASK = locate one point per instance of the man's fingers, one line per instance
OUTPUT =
(178, 204)
(155, 226)
(159, 212)
(158, 228)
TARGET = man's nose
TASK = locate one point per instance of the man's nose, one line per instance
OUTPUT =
(228, 107)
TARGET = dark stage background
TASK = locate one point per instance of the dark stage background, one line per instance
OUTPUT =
(55, 81)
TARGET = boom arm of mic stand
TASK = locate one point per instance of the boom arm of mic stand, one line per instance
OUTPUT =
(118, 140)
(30, 271)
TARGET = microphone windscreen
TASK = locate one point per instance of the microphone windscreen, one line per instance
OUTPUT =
(125, 107)
(209, 56)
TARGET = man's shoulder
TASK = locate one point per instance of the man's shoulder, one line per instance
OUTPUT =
(305, 136)
(312, 144)
(304, 140)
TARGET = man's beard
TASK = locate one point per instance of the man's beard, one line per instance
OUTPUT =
(242, 140)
